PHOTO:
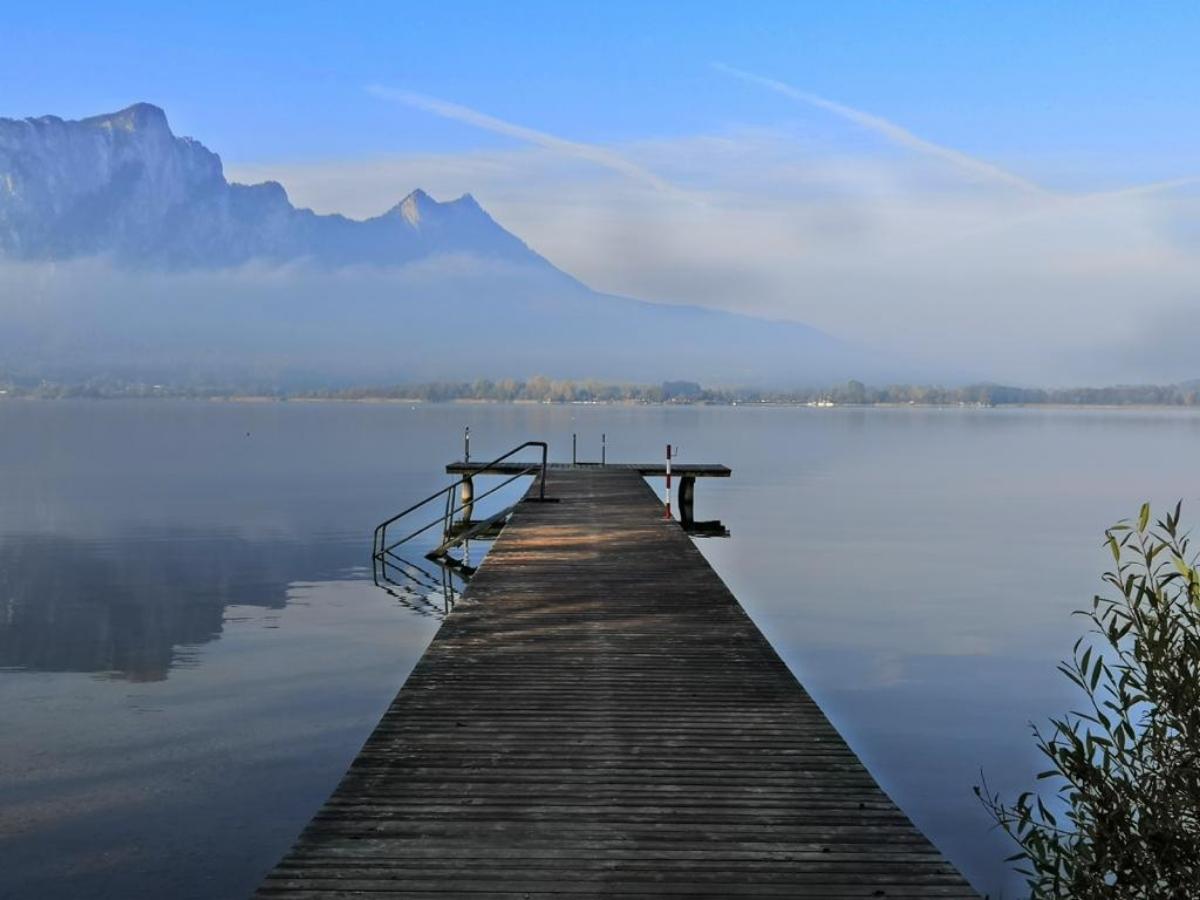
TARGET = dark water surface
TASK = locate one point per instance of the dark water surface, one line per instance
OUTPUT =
(191, 649)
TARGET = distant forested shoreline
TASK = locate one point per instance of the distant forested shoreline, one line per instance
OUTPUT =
(547, 390)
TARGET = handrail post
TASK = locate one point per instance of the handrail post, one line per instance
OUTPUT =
(542, 488)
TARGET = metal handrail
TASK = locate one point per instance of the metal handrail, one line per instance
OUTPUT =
(379, 545)
(448, 514)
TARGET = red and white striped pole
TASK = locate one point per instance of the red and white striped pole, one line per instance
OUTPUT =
(667, 511)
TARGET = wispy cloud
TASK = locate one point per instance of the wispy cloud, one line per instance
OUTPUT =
(971, 165)
(600, 156)
(897, 134)
(1154, 187)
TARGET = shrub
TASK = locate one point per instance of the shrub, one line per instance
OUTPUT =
(1123, 816)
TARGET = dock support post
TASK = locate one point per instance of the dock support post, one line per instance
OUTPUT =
(687, 497)
(466, 494)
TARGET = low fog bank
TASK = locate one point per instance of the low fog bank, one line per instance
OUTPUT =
(300, 326)
(445, 318)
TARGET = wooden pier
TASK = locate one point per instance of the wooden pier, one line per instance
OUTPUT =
(598, 717)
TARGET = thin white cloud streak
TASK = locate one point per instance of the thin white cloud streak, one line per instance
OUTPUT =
(902, 136)
(591, 153)
(967, 163)
(1140, 190)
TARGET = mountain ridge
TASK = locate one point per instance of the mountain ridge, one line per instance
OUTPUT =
(123, 185)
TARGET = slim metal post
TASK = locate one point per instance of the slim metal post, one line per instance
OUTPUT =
(603, 447)
(467, 444)
(573, 436)
(667, 508)
(542, 486)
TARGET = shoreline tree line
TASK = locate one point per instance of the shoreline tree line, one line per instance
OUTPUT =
(540, 389)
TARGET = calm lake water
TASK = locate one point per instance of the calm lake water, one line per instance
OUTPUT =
(192, 651)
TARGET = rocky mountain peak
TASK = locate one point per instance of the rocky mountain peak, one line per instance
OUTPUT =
(138, 117)
(415, 207)
(419, 209)
(122, 185)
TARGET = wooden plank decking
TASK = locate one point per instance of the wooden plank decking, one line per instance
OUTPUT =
(599, 717)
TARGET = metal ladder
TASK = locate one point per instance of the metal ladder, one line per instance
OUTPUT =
(386, 561)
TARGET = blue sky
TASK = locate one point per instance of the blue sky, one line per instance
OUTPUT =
(1071, 91)
(1011, 188)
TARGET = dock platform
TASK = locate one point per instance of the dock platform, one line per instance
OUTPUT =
(659, 469)
(598, 717)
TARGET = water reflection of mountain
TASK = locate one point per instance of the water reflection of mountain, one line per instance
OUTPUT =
(133, 606)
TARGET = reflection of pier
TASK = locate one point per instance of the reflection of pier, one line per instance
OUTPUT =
(429, 588)
(599, 717)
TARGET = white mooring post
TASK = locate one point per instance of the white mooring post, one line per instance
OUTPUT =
(667, 509)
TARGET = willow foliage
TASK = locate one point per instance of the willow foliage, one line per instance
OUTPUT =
(1122, 815)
